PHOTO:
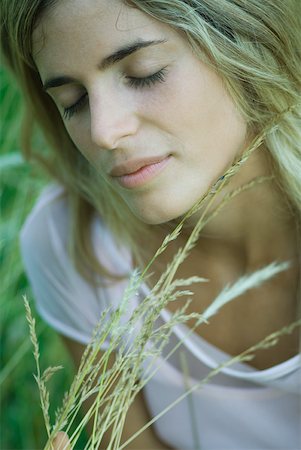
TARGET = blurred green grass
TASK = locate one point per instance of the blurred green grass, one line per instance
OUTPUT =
(21, 421)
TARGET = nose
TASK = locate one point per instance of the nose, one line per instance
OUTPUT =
(112, 120)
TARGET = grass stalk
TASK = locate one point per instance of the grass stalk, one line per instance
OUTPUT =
(247, 355)
(191, 409)
(145, 340)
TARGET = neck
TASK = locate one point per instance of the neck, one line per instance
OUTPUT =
(257, 225)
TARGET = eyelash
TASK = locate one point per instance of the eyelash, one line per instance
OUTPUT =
(136, 83)
(73, 109)
(158, 77)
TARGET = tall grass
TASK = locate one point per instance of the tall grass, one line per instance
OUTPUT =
(20, 186)
(139, 340)
(20, 429)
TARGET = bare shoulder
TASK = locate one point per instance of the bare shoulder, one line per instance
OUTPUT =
(137, 416)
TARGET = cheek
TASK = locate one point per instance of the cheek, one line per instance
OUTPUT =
(194, 105)
(211, 122)
(79, 132)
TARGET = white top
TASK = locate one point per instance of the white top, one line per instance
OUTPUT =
(240, 408)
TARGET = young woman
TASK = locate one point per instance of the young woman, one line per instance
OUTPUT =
(145, 105)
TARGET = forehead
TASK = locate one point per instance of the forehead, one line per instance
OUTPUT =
(76, 29)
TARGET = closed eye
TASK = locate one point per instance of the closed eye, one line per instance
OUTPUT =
(145, 82)
(76, 107)
(134, 82)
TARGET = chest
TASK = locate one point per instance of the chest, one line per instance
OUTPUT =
(247, 319)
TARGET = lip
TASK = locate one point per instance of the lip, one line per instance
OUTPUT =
(137, 172)
(134, 165)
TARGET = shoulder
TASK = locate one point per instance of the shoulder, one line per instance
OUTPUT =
(50, 211)
(67, 301)
(45, 235)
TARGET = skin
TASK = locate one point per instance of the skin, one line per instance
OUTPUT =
(191, 117)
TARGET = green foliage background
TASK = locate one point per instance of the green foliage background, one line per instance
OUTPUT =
(21, 418)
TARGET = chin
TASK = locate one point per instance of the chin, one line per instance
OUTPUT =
(155, 208)
(157, 216)
(152, 219)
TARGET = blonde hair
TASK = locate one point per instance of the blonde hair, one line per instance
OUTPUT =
(253, 45)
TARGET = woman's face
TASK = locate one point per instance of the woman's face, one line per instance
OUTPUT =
(153, 120)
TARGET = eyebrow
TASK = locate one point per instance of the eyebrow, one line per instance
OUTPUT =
(107, 62)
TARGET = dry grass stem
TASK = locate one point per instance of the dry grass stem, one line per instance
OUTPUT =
(44, 394)
(244, 284)
(245, 356)
(138, 338)
(191, 409)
